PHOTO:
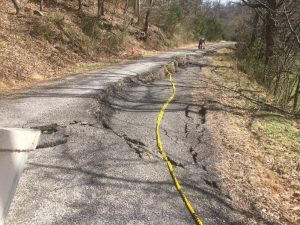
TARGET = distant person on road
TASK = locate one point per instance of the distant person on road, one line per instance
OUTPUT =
(201, 43)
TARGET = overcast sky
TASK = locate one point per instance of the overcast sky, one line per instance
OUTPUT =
(225, 1)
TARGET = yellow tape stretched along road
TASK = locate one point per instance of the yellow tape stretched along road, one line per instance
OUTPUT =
(165, 157)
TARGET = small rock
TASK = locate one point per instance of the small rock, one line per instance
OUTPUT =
(296, 194)
(38, 13)
(237, 154)
(297, 208)
(74, 122)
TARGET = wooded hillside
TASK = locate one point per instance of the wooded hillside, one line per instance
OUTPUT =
(43, 38)
(268, 47)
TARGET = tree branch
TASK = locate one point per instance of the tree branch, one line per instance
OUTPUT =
(253, 5)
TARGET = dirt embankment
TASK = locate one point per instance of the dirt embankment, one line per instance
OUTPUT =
(64, 41)
(260, 157)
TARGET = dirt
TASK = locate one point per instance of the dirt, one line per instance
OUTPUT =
(261, 192)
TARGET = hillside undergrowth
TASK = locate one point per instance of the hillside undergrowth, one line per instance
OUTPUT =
(35, 47)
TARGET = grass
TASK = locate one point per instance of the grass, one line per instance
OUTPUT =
(90, 38)
(273, 128)
(278, 135)
(261, 146)
(85, 67)
(280, 131)
(107, 40)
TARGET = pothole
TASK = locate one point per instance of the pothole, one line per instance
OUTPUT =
(52, 135)
(47, 129)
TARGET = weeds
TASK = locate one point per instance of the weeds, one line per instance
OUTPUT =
(111, 41)
(278, 135)
(58, 18)
(45, 29)
(279, 77)
(90, 38)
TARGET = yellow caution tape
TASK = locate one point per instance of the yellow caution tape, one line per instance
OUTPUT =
(165, 157)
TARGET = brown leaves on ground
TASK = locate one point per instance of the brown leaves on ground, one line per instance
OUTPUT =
(253, 144)
(35, 48)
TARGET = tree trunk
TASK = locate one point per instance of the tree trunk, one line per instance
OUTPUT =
(100, 8)
(134, 6)
(146, 26)
(296, 94)
(276, 84)
(17, 6)
(79, 5)
(125, 9)
(270, 30)
(254, 29)
(41, 5)
(137, 9)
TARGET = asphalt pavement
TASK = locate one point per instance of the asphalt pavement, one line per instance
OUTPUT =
(104, 168)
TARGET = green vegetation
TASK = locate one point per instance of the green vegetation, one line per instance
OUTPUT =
(104, 39)
(280, 78)
(250, 59)
(279, 129)
(170, 18)
(276, 134)
(186, 23)
(90, 38)
(212, 29)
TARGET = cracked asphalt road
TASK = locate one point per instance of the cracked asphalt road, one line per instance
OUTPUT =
(88, 171)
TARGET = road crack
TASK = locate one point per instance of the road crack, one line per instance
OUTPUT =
(203, 113)
(187, 111)
(211, 183)
(194, 127)
(194, 155)
(52, 135)
(139, 147)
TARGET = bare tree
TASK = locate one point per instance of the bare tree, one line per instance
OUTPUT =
(297, 92)
(290, 9)
(254, 28)
(281, 28)
(79, 5)
(137, 9)
(270, 6)
(146, 26)
(41, 5)
(125, 10)
(100, 8)
(17, 6)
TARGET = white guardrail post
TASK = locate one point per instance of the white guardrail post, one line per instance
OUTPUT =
(15, 143)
